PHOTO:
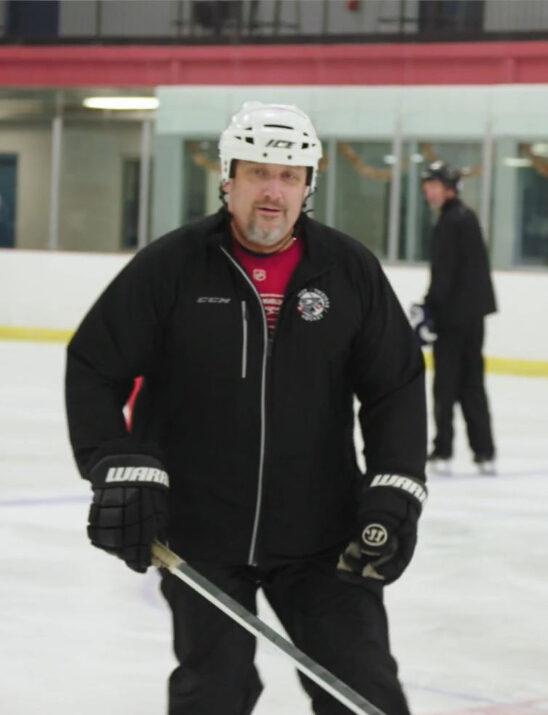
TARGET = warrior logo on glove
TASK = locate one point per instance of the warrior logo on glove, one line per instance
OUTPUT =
(374, 535)
(388, 515)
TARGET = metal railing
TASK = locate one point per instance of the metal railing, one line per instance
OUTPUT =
(267, 21)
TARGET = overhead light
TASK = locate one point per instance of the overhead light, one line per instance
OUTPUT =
(389, 159)
(121, 103)
(417, 158)
(517, 162)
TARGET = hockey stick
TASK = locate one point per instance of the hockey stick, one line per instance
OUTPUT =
(162, 556)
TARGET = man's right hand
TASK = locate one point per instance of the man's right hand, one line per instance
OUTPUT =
(129, 508)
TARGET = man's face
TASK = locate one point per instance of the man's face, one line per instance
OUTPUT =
(265, 201)
(436, 193)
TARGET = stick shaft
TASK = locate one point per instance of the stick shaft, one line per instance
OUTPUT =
(326, 680)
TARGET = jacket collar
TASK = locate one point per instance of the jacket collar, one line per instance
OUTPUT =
(319, 254)
(451, 203)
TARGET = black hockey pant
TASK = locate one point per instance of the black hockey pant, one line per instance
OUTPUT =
(459, 377)
(340, 625)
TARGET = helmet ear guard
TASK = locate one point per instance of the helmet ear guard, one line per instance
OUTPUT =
(270, 134)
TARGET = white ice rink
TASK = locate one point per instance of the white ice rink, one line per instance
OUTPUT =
(81, 634)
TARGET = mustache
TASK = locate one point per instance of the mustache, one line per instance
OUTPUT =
(269, 205)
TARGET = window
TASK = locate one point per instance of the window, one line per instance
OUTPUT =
(32, 18)
(362, 192)
(26, 183)
(130, 202)
(73, 189)
(532, 203)
(8, 183)
(201, 178)
(455, 16)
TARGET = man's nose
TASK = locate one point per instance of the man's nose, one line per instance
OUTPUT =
(272, 188)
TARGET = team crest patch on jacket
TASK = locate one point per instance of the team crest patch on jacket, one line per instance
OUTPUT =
(313, 304)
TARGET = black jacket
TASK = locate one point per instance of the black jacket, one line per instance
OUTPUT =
(257, 438)
(460, 287)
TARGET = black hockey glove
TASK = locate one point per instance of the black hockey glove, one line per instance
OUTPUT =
(129, 508)
(387, 518)
(422, 323)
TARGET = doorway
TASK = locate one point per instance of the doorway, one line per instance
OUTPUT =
(8, 183)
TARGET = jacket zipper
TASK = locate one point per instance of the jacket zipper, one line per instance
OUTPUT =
(260, 478)
(244, 339)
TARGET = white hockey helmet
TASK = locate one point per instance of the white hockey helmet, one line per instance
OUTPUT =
(271, 134)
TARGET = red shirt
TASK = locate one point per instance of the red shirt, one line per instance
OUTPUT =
(270, 274)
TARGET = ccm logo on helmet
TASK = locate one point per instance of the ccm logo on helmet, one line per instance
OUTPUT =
(279, 144)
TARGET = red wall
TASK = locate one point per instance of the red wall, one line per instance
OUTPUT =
(401, 64)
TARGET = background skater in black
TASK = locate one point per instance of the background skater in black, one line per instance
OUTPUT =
(460, 295)
(241, 449)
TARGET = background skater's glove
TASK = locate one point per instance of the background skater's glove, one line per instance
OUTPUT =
(387, 536)
(129, 508)
(422, 323)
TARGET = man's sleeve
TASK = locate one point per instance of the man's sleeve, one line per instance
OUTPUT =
(443, 268)
(388, 375)
(117, 341)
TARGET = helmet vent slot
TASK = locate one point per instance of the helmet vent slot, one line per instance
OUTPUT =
(278, 126)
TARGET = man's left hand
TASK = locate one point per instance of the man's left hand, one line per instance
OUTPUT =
(386, 541)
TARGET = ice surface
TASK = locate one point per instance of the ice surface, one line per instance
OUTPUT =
(82, 634)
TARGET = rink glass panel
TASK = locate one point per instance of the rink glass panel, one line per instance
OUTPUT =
(316, 204)
(201, 179)
(416, 218)
(362, 192)
(99, 186)
(531, 219)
